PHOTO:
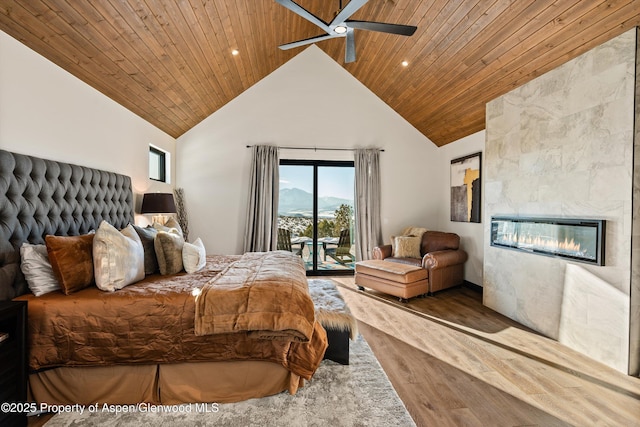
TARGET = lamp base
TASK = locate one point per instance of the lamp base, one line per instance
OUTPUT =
(160, 219)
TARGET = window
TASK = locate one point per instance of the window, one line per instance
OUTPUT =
(157, 164)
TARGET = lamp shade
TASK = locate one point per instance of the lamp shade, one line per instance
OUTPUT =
(158, 203)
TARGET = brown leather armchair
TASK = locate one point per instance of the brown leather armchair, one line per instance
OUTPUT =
(441, 257)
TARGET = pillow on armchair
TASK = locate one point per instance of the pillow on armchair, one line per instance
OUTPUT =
(406, 246)
(414, 231)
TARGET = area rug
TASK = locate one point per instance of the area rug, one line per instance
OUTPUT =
(358, 394)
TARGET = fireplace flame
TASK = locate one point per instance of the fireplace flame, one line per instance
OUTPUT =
(576, 239)
(544, 243)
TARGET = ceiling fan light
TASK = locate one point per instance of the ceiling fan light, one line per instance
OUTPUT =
(340, 29)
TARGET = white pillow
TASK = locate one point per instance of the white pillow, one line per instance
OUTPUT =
(118, 257)
(194, 256)
(37, 269)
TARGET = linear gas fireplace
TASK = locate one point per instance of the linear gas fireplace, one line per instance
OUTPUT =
(575, 239)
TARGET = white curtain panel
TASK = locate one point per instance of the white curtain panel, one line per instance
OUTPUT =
(262, 210)
(367, 205)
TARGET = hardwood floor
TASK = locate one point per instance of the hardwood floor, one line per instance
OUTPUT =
(455, 362)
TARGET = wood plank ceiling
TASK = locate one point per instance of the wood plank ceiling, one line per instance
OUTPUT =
(170, 62)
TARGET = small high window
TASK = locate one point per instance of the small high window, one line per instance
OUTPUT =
(157, 164)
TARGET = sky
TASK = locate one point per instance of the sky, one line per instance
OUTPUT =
(332, 181)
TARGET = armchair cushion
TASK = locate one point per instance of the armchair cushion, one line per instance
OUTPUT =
(408, 261)
(439, 241)
(392, 271)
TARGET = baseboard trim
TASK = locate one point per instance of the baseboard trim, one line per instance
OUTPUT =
(473, 286)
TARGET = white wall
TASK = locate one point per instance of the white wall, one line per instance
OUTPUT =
(47, 112)
(471, 234)
(311, 101)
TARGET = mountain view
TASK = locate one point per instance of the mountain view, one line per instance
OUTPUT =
(295, 212)
(297, 202)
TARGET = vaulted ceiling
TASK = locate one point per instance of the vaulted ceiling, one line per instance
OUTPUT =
(170, 61)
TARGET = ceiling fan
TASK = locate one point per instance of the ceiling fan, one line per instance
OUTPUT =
(342, 26)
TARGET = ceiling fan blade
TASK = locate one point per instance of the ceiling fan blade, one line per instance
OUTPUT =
(304, 13)
(403, 30)
(307, 41)
(351, 8)
(350, 49)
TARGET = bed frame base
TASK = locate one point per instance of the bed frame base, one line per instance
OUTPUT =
(171, 384)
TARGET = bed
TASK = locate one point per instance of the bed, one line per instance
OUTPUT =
(157, 340)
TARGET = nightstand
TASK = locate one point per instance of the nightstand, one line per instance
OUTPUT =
(13, 359)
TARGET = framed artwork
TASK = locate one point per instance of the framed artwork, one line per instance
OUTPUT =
(466, 179)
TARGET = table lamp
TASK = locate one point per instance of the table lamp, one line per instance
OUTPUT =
(158, 203)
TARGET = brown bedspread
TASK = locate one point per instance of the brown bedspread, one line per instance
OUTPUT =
(151, 321)
(264, 293)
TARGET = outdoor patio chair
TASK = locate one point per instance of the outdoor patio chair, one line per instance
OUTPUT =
(284, 242)
(341, 253)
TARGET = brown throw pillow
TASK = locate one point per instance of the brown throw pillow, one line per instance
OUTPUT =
(71, 258)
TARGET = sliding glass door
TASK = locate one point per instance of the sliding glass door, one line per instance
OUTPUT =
(316, 210)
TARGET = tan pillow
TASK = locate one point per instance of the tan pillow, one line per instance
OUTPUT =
(194, 256)
(169, 252)
(414, 231)
(71, 259)
(406, 247)
(169, 226)
(118, 257)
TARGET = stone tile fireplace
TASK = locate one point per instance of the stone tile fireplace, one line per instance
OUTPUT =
(563, 146)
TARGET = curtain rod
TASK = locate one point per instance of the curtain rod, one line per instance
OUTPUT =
(317, 148)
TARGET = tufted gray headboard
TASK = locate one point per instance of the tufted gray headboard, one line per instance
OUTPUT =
(40, 197)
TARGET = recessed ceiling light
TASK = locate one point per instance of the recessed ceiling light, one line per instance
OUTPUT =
(340, 29)
(234, 52)
(405, 63)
